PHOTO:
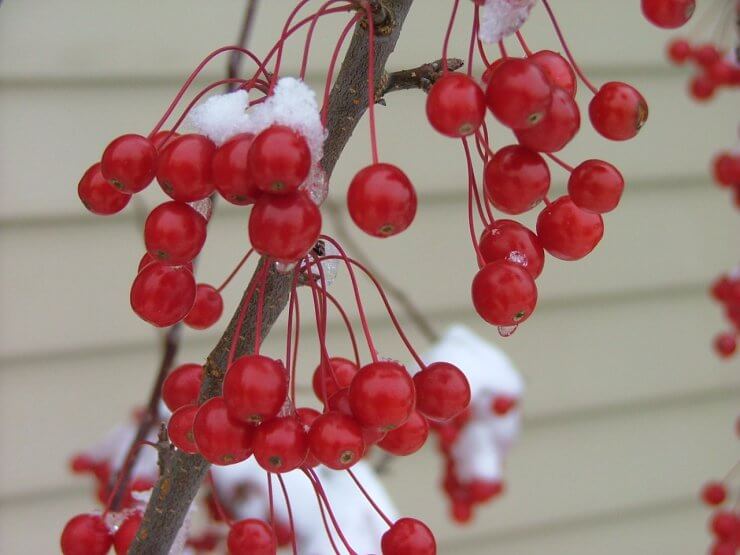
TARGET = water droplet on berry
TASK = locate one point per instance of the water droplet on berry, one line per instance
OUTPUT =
(506, 331)
(518, 258)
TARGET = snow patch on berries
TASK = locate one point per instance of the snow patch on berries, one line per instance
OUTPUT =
(501, 18)
(221, 116)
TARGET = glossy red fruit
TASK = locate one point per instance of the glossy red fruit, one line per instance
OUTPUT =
(221, 439)
(702, 87)
(679, 51)
(174, 233)
(724, 524)
(208, 307)
(456, 105)
(503, 404)
(98, 195)
(518, 93)
(707, 54)
(618, 111)
(337, 375)
(568, 232)
(724, 548)
(86, 534)
(284, 227)
(408, 536)
(255, 388)
(251, 537)
(504, 293)
(381, 200)
(510, 240)
(339, 402)
(129, 163)
(668, 14)
(124, 536)
(281, 444)
(408, 438)
(336, 441)
(714, 493)
(184, 171)
(557, 69)
(307, 416)
(726, 168)
(486, 77)
(382, 395)
(163, 138)
(725, 344)
(516, 179)
(182, 386)
(163, 295)
(180, 428)
(230, 173)
(147, 259)
(279, 160)
(560, 124)
(442, 391)
(595, 186)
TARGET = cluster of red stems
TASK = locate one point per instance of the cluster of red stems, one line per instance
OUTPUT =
(376, 402)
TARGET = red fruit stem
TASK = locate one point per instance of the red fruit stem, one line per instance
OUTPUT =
(223, 515)
(523, 43)
(283, 37)
(473, 37)
(448, 34)
(309, 37)
(370, 500)
(371, 82)
(290, 514)
(559, 162)
(235, 271)
(347, 324)
(502, 49)
(289, 356)
(320, 491)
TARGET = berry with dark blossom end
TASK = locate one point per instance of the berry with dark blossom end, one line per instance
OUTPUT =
(251, 537)
(337, 374)
(408, 536)
(382, 395)
(557, 69)
(98, 195)
(618, 111)
(163, 295)
(714, 493)
(381, 200)
(281, 444)
(557, 128)
(504, 293)
(568, 232)
(255, 388)
(124, 536)
(595, 186)
(725, 344)
(129, 163)
(208, 307)
(408, 438)
(86, 534)
(456, 105)
(279, 160)
(221, 439)
(442, 391)
(518, 93)
(182, 386)
(231, 175)
(184, 171)
(510, 240)
(180, 429)
(284, 227)
(516, 179)
(174, 233)
(668, 14)
(336, 441)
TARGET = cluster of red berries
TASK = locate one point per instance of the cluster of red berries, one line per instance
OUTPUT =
(724, 524)
(726, 291)
(714, 70)
(88, 534)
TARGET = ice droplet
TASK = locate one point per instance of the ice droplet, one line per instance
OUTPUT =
(203, 207)
(518, 258)
(317, 186)
(284, 267)
(507, 331)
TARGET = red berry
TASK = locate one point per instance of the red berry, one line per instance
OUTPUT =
(339, 402)
(129, 163)
(707, 55)
(230, 173)
(163, 138)
(408, 536)
(560, 124)
(618, 111)
(163, 295)
(180, 429)
(336, 441)
(255, 388)
(714, 493)
(516, 179)
(595, 186)
(382, 395)
(184, 171)
(726, 168)
(502, 404)
(182, 386)
(504, 293)
(221, 439)
(679, 51)
(381, 200)
(207, 308)
(702, 87)
(568, 232)
(98, 195)
(124, 536)
(281, 444)
(408, 438)
(251, 537)
(279, 160)
(86, 534)
(307, 416)
(284, 227)
(724, 525)
(518, 93)
(725, 344)
(174, 233)
(510, 240)
(486, 77)
(337, 375)
(557, 70)
(668, 14)
(456, 106)
(442, 391)
(724, 548)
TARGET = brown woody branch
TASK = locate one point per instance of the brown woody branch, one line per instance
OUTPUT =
(422, 77)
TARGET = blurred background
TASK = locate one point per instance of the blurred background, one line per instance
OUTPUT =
(627, 410)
